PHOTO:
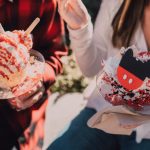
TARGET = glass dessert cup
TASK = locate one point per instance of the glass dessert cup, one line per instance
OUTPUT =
(108, 88)
(135, 101)
(101, 85)
(34, 74)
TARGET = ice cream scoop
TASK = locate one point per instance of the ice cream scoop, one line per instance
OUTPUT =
(14, 57)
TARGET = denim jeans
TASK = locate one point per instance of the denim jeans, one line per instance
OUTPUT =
(80, 137)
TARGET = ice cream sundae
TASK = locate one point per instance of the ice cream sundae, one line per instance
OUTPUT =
(125, 79)
(20, 67)
(14, 57)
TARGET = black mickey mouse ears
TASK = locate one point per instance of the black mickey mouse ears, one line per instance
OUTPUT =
(134, 65)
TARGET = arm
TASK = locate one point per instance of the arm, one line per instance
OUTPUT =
(91, 47)
(51, 43)
(48, 38)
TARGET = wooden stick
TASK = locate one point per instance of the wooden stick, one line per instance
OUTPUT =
(1, 29)
(32, 26)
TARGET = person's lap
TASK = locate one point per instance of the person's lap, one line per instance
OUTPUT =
(129, 143)
(80, 137)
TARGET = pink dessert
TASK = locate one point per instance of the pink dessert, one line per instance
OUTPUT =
(14, 57)
(21, 68)
(125, 79)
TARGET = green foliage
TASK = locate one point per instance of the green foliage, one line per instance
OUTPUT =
(71, 80)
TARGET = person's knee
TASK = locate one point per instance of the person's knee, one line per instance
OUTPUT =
(78, 136)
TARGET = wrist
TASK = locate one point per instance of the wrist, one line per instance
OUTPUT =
(78, 27)
(49, 75)
(84, 31)
(82, 25)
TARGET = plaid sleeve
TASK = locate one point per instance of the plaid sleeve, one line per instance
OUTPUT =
(50, 41)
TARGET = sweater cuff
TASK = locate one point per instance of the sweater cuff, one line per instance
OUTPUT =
(80, 36)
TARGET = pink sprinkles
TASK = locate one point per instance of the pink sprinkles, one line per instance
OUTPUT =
(121, 96)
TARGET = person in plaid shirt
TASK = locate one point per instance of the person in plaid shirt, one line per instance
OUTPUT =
(24, 129)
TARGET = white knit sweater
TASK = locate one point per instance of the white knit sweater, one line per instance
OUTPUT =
(91, 46)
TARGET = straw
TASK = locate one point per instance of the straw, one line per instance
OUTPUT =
(1, 29)
(32, 26)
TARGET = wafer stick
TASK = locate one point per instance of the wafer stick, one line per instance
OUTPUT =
(1, 29)
(32, 26)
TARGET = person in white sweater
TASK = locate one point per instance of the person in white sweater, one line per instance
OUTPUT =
(120, 23)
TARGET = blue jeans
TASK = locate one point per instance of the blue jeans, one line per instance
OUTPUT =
(80, 137)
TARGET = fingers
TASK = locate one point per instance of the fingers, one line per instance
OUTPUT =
(78, 8)
(25, 103)
(39, 87)
(28, 99)
(35, 89)
(76, 5)
(33, 99)
(61, 4)
(73, 12)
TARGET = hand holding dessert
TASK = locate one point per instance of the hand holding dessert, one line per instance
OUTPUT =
(73, 12)
(20, 70)
(125, 79)
(29, 98)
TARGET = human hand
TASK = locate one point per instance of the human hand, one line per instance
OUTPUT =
(73, 12)
(28, 99)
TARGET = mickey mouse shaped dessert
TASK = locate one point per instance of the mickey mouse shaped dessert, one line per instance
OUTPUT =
(132, 71)
(125, 79)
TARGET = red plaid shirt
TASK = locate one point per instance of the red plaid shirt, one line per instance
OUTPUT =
(48, 38)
